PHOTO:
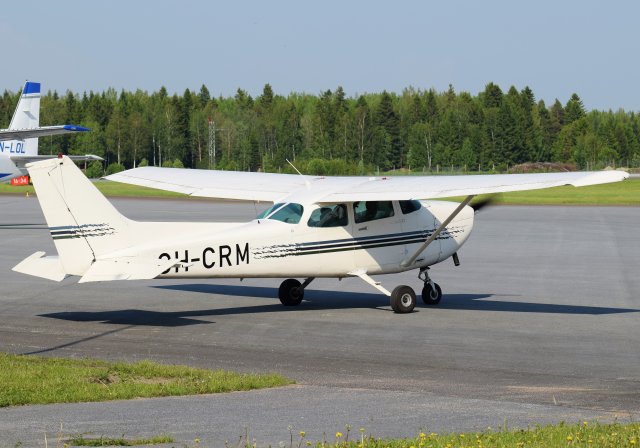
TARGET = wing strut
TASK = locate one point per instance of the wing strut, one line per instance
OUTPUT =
(408, 261)
(363, 275)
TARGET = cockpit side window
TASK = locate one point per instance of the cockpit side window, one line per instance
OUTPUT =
(410, 206)
(329, 216)
(371, 210)
(290, 213)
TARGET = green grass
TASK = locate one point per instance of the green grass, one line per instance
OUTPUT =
(580, 435)
(36, 380)
(118, 441)
(618, 193)
(117, 189)
(586, 434)
(110, 189)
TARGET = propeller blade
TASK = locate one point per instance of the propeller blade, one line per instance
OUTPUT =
(483, 202)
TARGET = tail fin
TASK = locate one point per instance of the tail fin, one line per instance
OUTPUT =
(83, 223)
(27, 115)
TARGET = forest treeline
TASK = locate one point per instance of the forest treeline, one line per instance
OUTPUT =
(331, 133)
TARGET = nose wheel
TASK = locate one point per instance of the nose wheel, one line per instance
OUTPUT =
(431, 292)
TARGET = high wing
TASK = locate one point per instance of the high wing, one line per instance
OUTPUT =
(275, 187)
(22, 134)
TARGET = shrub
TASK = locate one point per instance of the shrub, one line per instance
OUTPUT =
(114, 168)
(95, 170)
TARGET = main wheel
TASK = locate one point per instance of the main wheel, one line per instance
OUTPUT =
(431, 296)
(403, 299)
(290, 293)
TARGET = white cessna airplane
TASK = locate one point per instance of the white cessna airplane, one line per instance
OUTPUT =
(19, 143)
(317, 227)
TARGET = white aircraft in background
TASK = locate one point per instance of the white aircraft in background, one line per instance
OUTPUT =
(318, 226)
(19, 143)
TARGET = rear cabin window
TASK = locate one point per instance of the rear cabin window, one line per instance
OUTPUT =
(410, 206)
(290, 213)
(371, 210)
(329, 216)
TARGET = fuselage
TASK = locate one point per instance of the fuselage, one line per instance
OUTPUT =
(277, 245)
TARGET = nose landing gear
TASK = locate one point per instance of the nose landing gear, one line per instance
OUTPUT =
(431, 292)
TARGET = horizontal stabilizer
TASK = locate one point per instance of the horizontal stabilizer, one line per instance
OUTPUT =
(126, 268)
(21, 161)
(40, 266)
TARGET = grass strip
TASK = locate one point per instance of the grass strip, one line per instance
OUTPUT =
(618, 193)
(586, 434)
(37, 380)
(81, 440)
(109, 189)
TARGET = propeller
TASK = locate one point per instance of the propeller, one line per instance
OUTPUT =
(483, 202)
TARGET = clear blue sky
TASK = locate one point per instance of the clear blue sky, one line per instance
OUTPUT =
(555, 47)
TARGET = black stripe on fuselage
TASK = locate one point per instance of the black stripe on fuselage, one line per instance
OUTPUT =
(370, 242)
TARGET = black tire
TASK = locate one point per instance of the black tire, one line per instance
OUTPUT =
(431, 296)
(290, 293)
(403, 299)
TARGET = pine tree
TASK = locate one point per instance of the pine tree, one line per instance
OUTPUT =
(492, 95)
(574, 110)
(266, 100)
(389, 123)
(204, 96)
(431, 107)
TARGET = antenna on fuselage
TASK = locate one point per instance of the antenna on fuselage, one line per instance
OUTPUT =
(306, 182)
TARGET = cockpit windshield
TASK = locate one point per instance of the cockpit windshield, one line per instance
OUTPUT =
(270, 210)
(290, 213)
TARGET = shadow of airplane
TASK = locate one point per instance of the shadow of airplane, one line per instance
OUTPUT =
(314, 300)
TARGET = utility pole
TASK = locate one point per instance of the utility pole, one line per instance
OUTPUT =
(212, 142)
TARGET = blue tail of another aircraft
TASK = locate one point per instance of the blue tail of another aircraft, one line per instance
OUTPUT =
(26, 116)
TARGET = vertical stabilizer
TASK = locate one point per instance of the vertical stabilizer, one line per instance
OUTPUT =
(83, 223)
(27, 115)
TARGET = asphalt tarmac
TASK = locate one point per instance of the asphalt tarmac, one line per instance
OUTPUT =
(539, 324)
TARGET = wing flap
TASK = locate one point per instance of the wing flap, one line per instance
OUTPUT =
(213, 184)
